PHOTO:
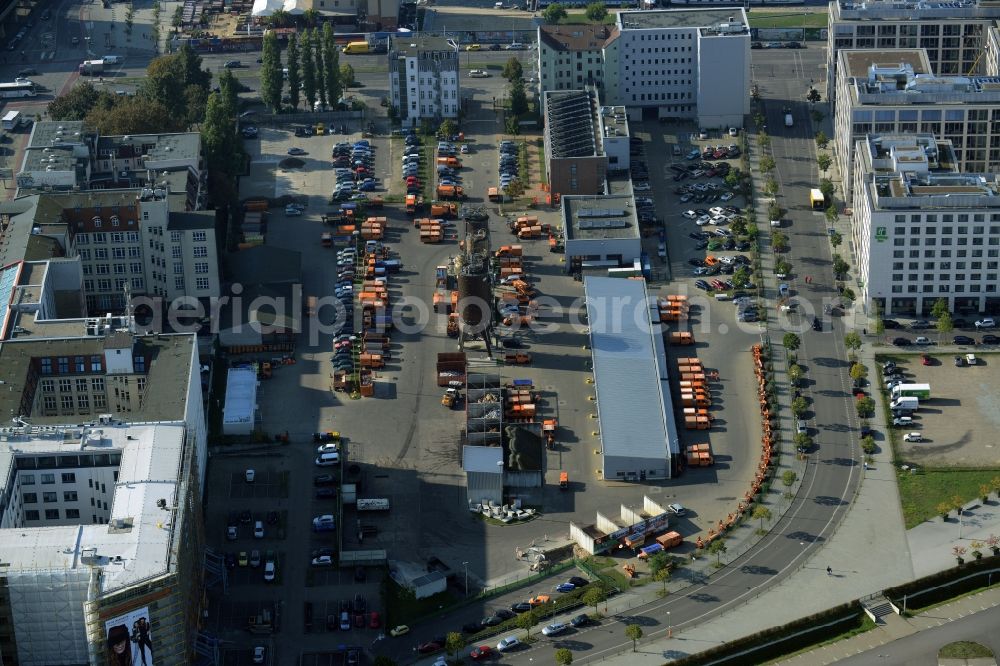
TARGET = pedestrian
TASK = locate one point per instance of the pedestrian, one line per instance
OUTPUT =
(866, 465)
(829, 571)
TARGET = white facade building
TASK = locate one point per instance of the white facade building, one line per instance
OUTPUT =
(571, 57)
(922, 230)
(601, 231)
(423, 78)
(686, 63)
(894, 92)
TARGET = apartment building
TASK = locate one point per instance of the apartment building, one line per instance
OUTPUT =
(571, 57)
(65, 156)
(686, 63)
(895, 92)
(953, 33)
(423, 78)
(923, 230)
(100, 506)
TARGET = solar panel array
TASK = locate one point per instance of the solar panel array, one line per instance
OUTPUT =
(571, 124)
(603, 224)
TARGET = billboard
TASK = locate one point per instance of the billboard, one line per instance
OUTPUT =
(129, 639)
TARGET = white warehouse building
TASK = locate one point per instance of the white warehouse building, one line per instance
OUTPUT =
(601, 231)
(423, 78)
(923, 230)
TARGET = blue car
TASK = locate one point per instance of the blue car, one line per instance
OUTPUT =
(565, 587)
(367, 186)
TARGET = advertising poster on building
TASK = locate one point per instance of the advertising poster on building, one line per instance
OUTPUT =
(130, 641)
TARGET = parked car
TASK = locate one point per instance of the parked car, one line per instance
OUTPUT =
(963, 340)
(507, 644)
(913, 437)
(554, 629)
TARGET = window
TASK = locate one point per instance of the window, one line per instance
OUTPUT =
(72, 513)
(30, 498)
(65, 385)
(31, 515)
(199, 236)
(201, 268)
(117, 237)
(201, 283)
(49, 402)
(200, 251)
(100, 238)
(83, 239)
(69, 496)
(27, 479)
(48, 478)
(178, 283)
(52, 514)
(49, 498)
(46, 366)
(101, 253)
(175, 252)
(69, 477)
(140, 363)
(48, 386)
(67, 402)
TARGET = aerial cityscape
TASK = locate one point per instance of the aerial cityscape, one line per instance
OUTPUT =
(342, 332)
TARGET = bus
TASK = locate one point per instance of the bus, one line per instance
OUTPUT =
(817, 200)
(22, 88)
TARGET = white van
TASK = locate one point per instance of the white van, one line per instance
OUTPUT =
(328, 459)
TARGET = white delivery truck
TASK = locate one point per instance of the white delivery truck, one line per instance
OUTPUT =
(113, 59)
(788, 120)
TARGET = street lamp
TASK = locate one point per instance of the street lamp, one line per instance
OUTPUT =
(466, 565)
(670, 628)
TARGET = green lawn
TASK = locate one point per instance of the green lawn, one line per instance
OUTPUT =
(759, 19)
(965, 650)
(865, 623)
(920, 493)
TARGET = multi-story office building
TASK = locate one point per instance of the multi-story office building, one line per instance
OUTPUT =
(889, 92)
(953, 33)
(65, 155)
(686, 63)
(584, 141)
(423, 78)
(123, 240)
(101, 481)
(922, 230)
(571, 57)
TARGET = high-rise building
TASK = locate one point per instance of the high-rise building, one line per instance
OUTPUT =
(423, 78)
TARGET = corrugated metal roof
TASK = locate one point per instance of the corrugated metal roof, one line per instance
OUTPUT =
(482, 459)
(630, 370)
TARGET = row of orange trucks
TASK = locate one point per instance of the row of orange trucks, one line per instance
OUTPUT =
(254, 227)
(674, 308)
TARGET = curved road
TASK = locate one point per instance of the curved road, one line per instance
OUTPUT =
(833, 473)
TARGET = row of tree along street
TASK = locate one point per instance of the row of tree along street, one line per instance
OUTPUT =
(314, 72)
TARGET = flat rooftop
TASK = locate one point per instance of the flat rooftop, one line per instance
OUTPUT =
(856, 63)
(599, 217)
(912, 10)
(156, 147)
(167, 372)
(571, 123)
(135, 543)
(657, 19)
(575, 37)
(53, 132)
(630, 370)
(414, 44)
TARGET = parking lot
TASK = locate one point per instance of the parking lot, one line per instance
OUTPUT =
(963, 401)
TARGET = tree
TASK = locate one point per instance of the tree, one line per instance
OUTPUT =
(944, 508)
(331, 66)
(310, 17)
(179, 83)
(132, 115)
(788, 478)
(596, 12)
(761, 513)
(868, 445)
(840, 267)
(518, 98)
(823, 161)
(308, 70)
(782, 268)
(659, 561)
(129, 21)
(318, 52)
(813, 96)
(448, 128)
(858, 372)
(527, 620)
(662, 576)
(767, 164)
(512, 125)
(739, 226)
(771, 187)
(564, 657)
(865, 407)
(835, 238)
(594, 596)
(717, 548)
(229, 88)
(223, 150)
(944, 324)
(512, 70)
(795, 373)
(817, 116)
(779, 241)
(764, 140)
(852, 341)
(734, 178)
(634, 632)
(821, 139)
(554, 13)
(347, 76)
(826, 187)
(878, 325)
(800, 406)
(294, 72)
(741, 277)
(77, 103)
(791, 341)
(453, 642)
(178, 18)
(280, 19)
(939, 309)
(803, 442)
(271, 78)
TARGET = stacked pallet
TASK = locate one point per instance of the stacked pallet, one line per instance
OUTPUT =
(373, 228)
(519, 405)
(695, 396)
(430, 230)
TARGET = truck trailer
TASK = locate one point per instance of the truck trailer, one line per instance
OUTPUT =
(373, 504)
(922, 391)
(91, 67)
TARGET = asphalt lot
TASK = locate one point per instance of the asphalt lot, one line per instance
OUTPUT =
(963, 403)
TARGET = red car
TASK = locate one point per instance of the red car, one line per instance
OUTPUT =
(374, 621)
(718, 284)
(431, 646)
(481, 652)
(925, 359)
